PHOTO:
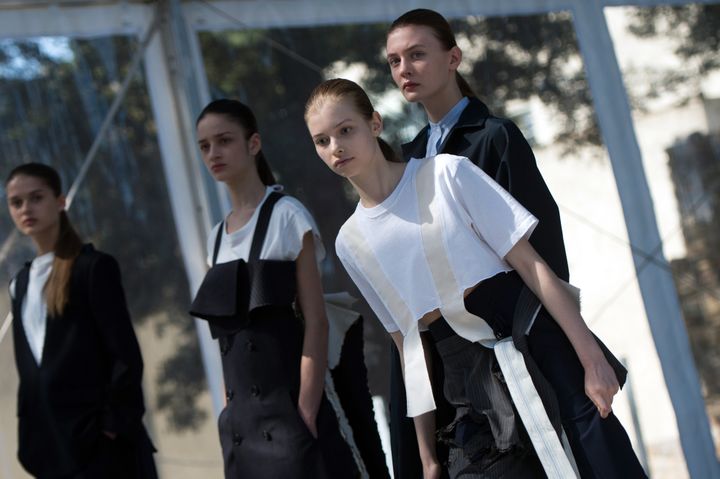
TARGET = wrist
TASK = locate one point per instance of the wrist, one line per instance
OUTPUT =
(590, 355)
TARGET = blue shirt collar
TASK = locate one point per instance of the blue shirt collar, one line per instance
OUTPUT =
(451, 117)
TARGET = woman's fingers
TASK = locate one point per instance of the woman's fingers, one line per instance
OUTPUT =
(601, 386)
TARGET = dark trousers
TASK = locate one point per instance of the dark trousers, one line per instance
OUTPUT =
(601, 447)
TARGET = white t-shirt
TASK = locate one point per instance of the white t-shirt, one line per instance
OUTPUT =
(34, 306)
(289, 222)
(481, 223)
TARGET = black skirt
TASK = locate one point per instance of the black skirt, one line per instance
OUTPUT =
(261, 433)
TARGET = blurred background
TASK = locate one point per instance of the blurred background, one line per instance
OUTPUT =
(620, 100)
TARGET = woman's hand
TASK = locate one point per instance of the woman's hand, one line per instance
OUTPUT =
(310, 419)
(313, 363)
(601, 385)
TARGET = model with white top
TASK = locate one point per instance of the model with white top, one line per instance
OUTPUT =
(263, 300)
(80, 399)
(436, 244)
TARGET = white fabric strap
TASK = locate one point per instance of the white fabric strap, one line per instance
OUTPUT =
(452, 302)
(522, 390)
(545, 440)
(417, 381)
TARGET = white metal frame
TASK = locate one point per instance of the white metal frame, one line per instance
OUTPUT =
(195, 207)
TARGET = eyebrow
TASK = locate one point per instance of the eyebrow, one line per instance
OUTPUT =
(411, 47)
(340, 123)
(215, 136)
(38, 190)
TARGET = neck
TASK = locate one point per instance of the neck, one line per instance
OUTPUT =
(246, 192)
(441, 103)
(45, 241)
(379, 180)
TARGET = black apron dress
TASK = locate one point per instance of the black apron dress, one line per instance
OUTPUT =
(249, 307)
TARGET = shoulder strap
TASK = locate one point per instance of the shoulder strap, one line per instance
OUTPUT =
(218, 240)
(262, 225)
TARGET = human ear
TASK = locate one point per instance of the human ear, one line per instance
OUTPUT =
(61, 202)
(376, 124)
(455, 57)
(254, 143)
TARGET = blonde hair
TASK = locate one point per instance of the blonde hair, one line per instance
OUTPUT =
(340, 89)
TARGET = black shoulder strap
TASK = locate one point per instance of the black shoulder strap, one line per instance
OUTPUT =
(262, 225)
(218, 239)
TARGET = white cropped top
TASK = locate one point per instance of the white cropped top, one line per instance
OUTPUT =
(481, 222)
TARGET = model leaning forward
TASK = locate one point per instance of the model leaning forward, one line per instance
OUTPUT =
(436, 244)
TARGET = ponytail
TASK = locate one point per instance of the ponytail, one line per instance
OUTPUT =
(339, 89)
(67, 248)
(241, 114)
(387, 150)
(465, 87)
(441, 29)
(263, 169)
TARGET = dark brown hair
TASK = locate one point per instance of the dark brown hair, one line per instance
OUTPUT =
(339, 89)
(241, 114)
(441, 30)
(68, 243)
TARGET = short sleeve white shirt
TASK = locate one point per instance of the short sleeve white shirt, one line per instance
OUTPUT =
(481, 222)
(289, 222)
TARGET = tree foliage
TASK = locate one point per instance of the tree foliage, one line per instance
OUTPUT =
(695, 32)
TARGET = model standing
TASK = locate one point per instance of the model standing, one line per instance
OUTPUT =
(263, 256)
(80, 400)
(395, 256)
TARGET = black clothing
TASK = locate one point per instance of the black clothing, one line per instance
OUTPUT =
(89, 380)
(351, 385)
(261, 339)
(498, 147)
(486, 438)
(600, 446)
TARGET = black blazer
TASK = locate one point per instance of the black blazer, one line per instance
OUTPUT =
(89, 379)
(498, 147)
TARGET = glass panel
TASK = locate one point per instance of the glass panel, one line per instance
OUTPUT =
(54, 94)
(527, 68)
(668, 56)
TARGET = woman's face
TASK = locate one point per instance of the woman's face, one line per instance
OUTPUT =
(224, 149)
(420, 66)
(343, 138)
(33, 206)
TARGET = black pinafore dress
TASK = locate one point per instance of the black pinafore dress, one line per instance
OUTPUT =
(250, 309)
